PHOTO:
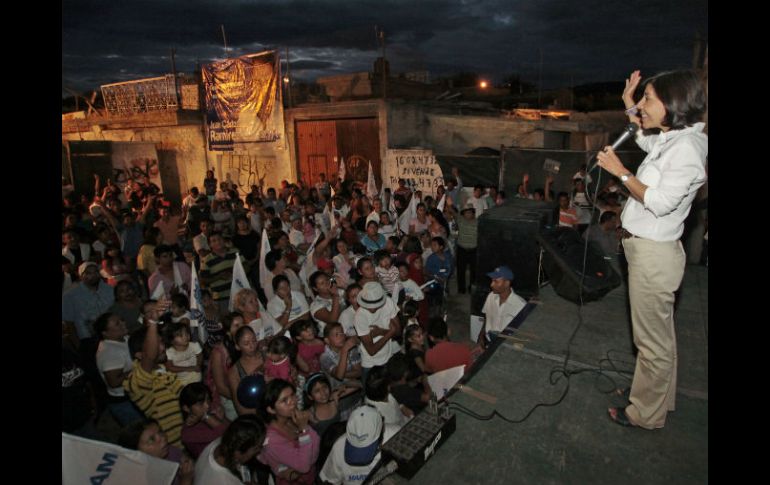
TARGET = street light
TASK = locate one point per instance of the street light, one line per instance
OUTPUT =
(483, 85)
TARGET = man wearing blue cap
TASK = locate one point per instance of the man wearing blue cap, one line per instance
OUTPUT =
(502, 304)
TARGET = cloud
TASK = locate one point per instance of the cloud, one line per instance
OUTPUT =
(585, 41)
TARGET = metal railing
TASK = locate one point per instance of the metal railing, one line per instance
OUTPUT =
(141, 96)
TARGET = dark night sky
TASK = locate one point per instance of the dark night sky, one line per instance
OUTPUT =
(581, 41)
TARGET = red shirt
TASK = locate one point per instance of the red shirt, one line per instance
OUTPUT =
(446, 355)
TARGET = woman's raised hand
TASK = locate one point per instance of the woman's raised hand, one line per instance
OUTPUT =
(631, 84)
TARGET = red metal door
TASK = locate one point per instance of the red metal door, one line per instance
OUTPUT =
(358, 141)
(316, 149)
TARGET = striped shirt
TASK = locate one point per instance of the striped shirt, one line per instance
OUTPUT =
(212, 267)
(568, 217)
(156, 393)
(467, 238)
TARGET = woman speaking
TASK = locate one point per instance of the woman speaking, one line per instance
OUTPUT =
(662, 191)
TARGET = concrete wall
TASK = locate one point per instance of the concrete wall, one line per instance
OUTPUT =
(185, 146)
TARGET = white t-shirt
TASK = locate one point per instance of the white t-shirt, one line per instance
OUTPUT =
(319, 303)
(412, 290)
(479, 204)
(276, 306)
(390, 410)
(113, 355)
(348, 321)
(336, 471)
(186, 358)
(499, 316)
(296, 238)
(380, 318)
(209, 472)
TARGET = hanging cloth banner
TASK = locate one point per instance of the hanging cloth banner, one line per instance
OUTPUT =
(242, 100)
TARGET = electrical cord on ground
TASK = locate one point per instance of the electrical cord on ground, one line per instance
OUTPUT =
(559, 372)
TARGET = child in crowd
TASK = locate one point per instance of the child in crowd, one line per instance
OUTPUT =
(386, 273)
(412, 291)
(377, 395)
(279, 362)
(348, 316)
(201, 426)
(309, 347)
(114, 267)
(366, 271)
(414, 341)
(210, 320)
(180, 312)
(387, 228)
(341, 359)
(322, 402)
(414, 398)
(185, 358)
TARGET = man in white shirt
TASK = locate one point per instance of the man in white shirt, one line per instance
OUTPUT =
(478, 201)
(502, 304)
(355, 453)
(376, 324)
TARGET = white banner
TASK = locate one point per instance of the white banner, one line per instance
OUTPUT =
(418, 167)
(371, 185)
(85, 461)
(265, 276)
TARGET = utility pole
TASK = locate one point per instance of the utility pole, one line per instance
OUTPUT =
(173, 73)
(380, 34)
(224, 38)
(288, 76)
(540, 79)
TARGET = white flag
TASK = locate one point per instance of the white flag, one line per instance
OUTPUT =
(342, 169)
(265, 276)
(308, 266)
(409, 214)
(240, 281)
(196, 305)
(91, 461)
(371, 186)
(441, 203)
(177, 276)
(160, 291)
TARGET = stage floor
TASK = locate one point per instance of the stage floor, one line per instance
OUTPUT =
(575, 441)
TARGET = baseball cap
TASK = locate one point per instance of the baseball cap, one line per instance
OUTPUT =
(501, 272)
(362, 437)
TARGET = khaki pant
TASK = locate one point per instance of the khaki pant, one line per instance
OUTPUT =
(655, 271)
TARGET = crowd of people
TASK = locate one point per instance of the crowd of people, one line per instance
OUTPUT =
(299, 375)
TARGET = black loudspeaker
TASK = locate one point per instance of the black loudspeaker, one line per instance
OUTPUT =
(507, 235)
(563, 263)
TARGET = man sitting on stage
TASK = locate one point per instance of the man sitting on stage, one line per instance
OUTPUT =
(502, 304)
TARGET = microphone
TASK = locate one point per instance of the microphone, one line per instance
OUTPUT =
(629, 131)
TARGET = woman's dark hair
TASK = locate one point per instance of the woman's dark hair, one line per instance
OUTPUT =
(311, 383)
(244, 433)
(227, 340)
(683, 96)
(130, 435)
(361, 261)
(277, 279)
(270, 397)
(193, 394)
(299, 326)
(436, 214)
(242, 331)
(313, 280)
(100, 325)
(272, 258)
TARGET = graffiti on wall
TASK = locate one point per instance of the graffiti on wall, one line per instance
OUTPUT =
(135, 162)
(247, 170)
